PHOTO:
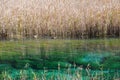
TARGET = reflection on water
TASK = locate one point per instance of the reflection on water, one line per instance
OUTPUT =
(63, 57)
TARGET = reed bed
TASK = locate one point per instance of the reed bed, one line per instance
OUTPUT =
(81, 19)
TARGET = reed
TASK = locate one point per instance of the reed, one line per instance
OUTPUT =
(23, 19)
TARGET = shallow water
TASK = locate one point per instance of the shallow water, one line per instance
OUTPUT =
(66, 58)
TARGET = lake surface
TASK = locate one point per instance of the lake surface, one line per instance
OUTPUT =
(60, 59)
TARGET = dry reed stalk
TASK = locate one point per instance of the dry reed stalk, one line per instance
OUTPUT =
(59, 18)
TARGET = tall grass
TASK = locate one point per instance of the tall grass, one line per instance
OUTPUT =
(21, 19)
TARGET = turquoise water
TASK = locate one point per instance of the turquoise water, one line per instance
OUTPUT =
(60, 59)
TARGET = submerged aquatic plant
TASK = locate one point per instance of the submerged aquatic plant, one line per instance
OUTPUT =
(78, 73)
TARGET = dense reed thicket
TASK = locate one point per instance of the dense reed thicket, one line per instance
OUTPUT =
(23, 19)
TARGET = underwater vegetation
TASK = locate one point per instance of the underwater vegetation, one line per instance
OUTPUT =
(76, 73)
(95, 59)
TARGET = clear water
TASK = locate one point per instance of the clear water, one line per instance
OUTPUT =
(60, 59)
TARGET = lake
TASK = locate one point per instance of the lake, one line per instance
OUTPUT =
(49, 59)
